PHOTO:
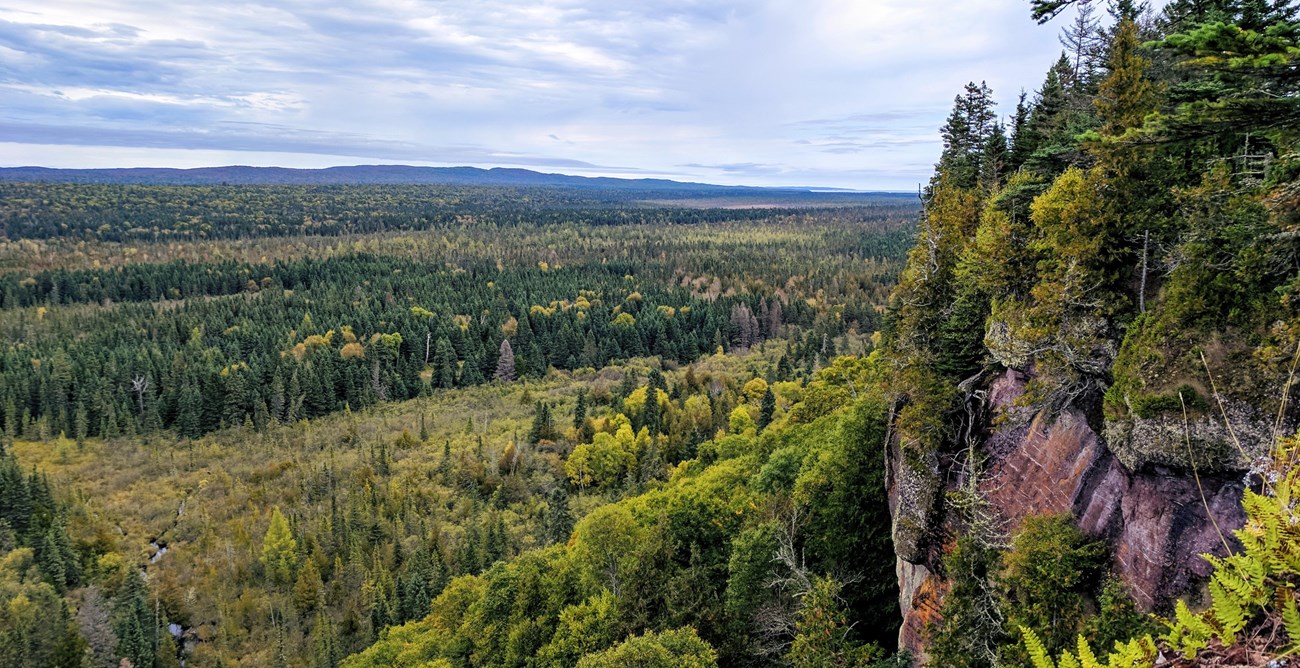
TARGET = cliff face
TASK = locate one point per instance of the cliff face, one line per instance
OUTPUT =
(1153, 517)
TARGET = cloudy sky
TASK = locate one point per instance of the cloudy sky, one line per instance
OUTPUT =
(844, 93)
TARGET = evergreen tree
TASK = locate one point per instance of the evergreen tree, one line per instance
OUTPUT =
(444, 364)
(307, 590)
(189, 413)
(966, 136)
(543, 424)
(505, 362)
(279, 550)
(1022, 144)
(580, 409)
(471, 373)
(767, 409)
(326, 650)
(134, 621)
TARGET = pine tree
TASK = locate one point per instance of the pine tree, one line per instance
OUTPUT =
(580, 409)
(81, 424)
(822, 628)
(505, 362)
(1022, 144)
(308, 588)
(50, 562)
(327, 652)
(1126, 95)
(767, 409)
(559, 521)
(1084, 44)
(11, 417)
(471, 373)
(651, 416)
(134, 621)
(279, 550)
(189, 413)
(543, 424)
(966, 136)
(277, 404)
(444, 364)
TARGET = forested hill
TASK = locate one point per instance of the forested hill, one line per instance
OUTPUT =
(385, 175)
(354, 174)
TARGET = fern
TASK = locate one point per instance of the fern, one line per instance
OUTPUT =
(1067, 661)
(1137, 653)
(1037, 652)
(1086, 658)
(1189, 633)
(1291, 618)
(1229, 611)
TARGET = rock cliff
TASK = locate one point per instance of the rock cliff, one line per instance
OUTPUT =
(1152, 515)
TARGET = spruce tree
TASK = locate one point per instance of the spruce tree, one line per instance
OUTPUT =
(444, 364)
(580, 409)
(767, 410)
(505, 362)
(189, 413)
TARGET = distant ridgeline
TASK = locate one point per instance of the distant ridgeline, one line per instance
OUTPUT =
(244, 202)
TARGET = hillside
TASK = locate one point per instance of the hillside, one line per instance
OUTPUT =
(298, 453)
(411, 175)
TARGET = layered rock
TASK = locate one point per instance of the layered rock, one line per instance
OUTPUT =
(1156, 518)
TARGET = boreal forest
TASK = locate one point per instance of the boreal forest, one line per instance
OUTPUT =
(1037, 414)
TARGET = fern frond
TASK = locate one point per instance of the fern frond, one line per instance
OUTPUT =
(1086, 658)
(1229, 611)
(1067, 661)
(1137, 653)
(1037, 652)
(1189, 633)
(1291, 617)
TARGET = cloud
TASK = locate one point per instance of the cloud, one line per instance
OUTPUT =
(277, 139)
(846, 92)
(740, 168)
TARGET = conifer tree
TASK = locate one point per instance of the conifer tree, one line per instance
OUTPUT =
(543, 424)
(327, 652)
(279, 550)
(505, 362)
(966, 136)
(189, 413)
(1021, 143)
(308, 588)
(767, 410)
(580, 409)
(135, 622)
(444, 364)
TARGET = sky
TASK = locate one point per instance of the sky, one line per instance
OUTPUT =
(832, 93)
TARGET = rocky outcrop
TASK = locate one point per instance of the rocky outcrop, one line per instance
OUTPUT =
(1153, 516)
(914, 488)
(921, 592)
(1170, 439)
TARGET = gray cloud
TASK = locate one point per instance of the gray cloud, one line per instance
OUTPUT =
(276, 139)
(740, 168)
(823, 92)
